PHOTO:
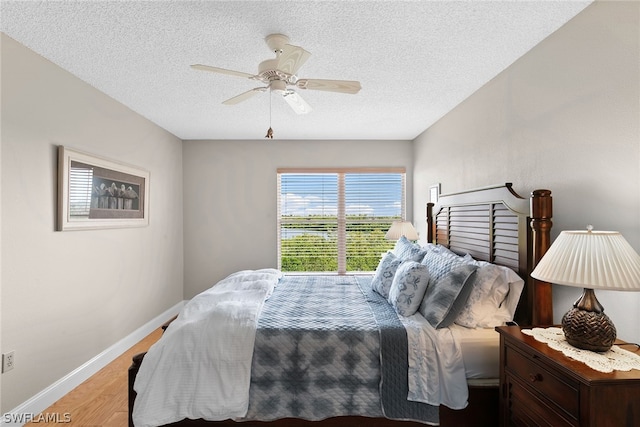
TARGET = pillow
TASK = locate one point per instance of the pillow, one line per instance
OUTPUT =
(440, 264)
(408, 251)
(428, 247)
(263, 273)
(446, 251)
(485, 298)
(494, 297)
(408, 287)
(510, 303)
(447, 293)
(382, 278)
(250, 279)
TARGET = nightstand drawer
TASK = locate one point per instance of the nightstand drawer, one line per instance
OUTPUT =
(558, 390)
(526, 409)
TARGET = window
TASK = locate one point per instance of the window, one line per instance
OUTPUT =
(335, 220)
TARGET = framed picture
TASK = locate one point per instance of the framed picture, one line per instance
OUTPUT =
(94, 192)
(434, 193)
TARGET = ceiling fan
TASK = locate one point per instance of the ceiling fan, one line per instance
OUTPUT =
(280, 73)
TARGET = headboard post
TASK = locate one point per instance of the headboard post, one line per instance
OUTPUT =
(430, 225)
(541, 292)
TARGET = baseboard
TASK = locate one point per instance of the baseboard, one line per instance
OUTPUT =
(47, 397)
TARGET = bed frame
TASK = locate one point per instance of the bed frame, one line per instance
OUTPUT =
(492, 224)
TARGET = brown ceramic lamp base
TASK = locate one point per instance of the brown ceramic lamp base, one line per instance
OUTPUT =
(586, 326)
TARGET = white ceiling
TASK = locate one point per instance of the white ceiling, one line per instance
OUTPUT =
(416, 60)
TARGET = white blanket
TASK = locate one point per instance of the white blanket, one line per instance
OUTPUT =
(201, 367)
(436, 367)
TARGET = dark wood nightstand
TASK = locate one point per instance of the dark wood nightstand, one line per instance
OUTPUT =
(540, 386)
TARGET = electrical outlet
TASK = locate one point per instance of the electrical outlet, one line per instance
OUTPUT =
(8, 360)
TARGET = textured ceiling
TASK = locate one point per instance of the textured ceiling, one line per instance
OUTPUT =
(416, 60)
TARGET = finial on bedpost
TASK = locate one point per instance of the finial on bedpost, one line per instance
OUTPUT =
(430, 222)
(541, 292)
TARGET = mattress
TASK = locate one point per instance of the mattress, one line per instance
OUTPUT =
(480, 351)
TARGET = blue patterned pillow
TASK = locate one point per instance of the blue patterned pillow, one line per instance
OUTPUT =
(408, 287)
(449, 288)
(407, 251)
(383, 277)
(440, 263)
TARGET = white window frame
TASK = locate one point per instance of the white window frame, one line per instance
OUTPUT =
(341, 205)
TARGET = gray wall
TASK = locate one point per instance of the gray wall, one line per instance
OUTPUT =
(565, 117)
(230, 197)
(67, 296)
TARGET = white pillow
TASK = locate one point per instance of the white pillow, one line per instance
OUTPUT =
(408, 287)
(250, 279)
(494, 297)
(516, 286)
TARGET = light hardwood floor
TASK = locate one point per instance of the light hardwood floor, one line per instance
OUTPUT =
(102, 400)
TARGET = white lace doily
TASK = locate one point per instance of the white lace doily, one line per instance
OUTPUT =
(615, 359)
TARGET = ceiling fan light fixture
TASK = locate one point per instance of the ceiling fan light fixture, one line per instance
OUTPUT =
(278, 86)
(296, 102)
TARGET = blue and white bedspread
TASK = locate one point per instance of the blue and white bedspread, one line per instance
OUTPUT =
(323, 345)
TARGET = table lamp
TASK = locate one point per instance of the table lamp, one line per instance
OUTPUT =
(591, 260)
(401, 228)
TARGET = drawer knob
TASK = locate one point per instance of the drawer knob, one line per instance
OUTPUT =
(535, 377)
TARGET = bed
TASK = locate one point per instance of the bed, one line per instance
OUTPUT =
(489, 225)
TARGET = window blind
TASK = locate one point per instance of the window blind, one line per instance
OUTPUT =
(80, 190)
(335, 221)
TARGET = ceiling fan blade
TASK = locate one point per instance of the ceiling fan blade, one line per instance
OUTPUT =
(222, 71)
(244, 96)
(292, 58)
(342, 86)
(296, 102)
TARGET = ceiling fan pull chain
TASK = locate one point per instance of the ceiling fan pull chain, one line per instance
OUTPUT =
(269, 131)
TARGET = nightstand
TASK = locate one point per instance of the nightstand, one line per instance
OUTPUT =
(540, 386)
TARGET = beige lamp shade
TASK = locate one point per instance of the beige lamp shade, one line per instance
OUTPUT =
(591, 259)
(401, 228)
